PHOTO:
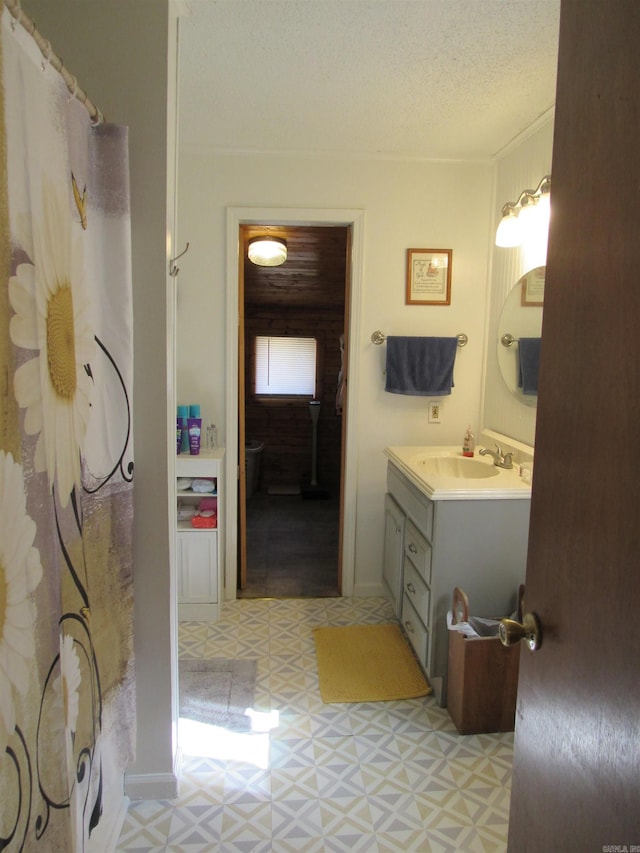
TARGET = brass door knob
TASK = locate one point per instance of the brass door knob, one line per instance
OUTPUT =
(511, 632)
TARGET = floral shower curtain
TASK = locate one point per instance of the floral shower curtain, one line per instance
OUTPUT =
(67, 705)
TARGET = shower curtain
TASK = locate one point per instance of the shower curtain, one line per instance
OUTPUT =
(67, 704)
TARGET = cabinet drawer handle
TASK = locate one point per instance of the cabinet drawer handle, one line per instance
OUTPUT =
(412, 548)
(409, 626)
(411, 588)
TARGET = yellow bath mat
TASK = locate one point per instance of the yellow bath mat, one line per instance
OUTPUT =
(367, 663)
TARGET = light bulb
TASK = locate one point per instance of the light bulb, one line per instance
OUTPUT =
(535, 234)
(528, 215)
(544, 209)
(508, 234)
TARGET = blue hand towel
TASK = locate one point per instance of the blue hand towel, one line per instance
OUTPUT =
(528, 364)
(422, 367)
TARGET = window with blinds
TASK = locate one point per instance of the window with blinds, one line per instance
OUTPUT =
(285, 366)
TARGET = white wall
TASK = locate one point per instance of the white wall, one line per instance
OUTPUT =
(406, 204)
(521, 167)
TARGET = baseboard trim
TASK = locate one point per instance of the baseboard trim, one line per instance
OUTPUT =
(189, 612)
(151, 786)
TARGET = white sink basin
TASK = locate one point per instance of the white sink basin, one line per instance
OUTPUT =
(460, 467)
(443, 473)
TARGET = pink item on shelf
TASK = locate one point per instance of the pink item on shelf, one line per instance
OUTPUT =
(208, 503)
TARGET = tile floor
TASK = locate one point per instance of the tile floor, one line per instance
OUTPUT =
(393, 776)
(292, 546)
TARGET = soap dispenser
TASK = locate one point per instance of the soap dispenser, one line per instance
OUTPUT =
(468, 443)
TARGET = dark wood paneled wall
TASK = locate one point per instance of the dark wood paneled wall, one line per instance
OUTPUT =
(303, 297)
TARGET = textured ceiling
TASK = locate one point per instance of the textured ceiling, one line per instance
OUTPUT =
(453, 79)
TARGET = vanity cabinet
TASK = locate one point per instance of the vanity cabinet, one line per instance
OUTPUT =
(479, 545)
(199, 560)
(394, 522)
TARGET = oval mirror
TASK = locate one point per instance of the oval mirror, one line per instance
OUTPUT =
(519, 332)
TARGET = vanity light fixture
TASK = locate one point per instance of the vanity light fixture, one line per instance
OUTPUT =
(267, 251)
(508, 233)
(530, 211)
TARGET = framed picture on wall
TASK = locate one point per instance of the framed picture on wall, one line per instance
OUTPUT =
(533, 288)
(429, 276)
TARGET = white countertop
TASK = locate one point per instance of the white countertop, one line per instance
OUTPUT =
(499, 484)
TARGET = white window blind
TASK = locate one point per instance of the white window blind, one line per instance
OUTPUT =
(285, 366)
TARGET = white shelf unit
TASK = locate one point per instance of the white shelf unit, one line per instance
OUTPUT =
(199, 550)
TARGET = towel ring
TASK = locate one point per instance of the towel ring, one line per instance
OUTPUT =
(379, 337)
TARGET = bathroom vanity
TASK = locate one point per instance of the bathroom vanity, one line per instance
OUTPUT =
(451, 521)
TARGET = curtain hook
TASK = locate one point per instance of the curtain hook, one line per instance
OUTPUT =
(14, 20)
(47, 57)
(74, 92)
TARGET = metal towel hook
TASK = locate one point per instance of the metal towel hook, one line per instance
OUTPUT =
(173, 269)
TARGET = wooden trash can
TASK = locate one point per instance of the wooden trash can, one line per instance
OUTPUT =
(482, 678)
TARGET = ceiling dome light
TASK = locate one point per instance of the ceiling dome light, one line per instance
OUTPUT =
(267, 251)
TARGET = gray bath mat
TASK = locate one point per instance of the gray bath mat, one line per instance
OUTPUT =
(217, 691)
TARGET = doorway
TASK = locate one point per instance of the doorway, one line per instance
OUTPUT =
(290, 495)
(234, 462)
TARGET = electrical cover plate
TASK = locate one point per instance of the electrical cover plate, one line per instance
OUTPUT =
(435, 408)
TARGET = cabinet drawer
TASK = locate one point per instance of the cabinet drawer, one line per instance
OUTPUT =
(416, 591)
(417, 506)
(418, 550)
(415, 630)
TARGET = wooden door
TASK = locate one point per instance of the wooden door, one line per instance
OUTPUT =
(345, 400)
(576, 784)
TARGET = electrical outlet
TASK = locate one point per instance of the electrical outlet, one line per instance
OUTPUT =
(434, 411)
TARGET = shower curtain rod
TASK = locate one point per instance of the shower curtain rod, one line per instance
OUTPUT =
(45, 49)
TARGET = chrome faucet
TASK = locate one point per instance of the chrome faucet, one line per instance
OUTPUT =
(500, 459)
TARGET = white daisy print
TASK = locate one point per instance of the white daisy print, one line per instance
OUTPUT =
(20, 574)
(60, 711)
(52, 318)
(61, 717)
(67, 683)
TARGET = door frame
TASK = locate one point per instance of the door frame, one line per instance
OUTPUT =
(353, 219)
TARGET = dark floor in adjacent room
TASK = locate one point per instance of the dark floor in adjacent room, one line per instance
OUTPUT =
(292, 546)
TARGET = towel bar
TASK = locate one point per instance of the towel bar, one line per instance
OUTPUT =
(507, 339)
(379, 338)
